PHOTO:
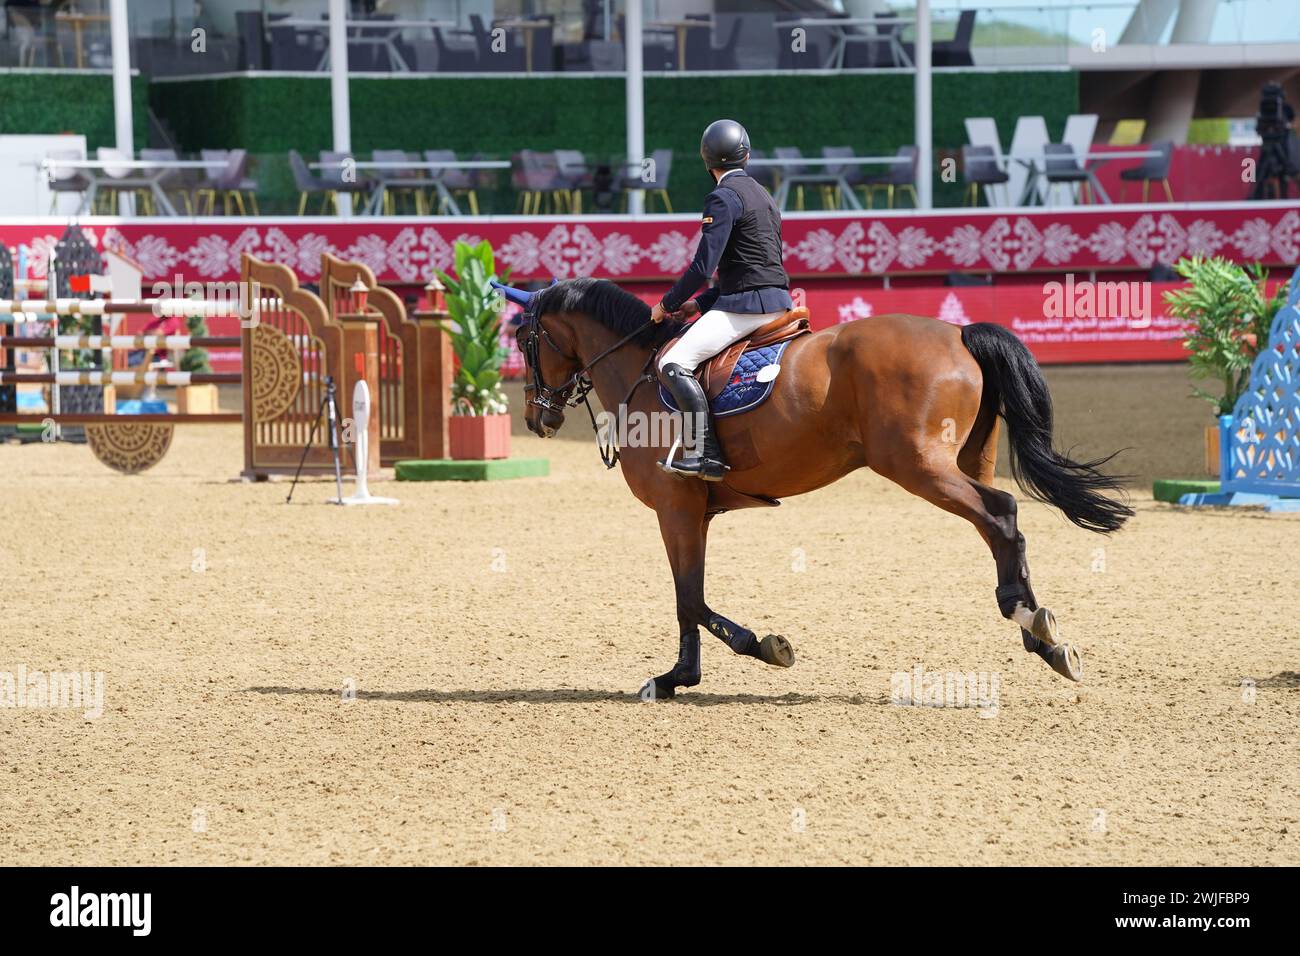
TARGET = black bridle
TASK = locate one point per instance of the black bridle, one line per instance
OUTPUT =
(576, 389)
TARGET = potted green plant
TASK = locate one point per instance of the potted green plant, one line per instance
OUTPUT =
(1230, 312)
(480, 420)
(196, 399)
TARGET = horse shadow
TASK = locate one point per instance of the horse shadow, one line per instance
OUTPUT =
(560, 695)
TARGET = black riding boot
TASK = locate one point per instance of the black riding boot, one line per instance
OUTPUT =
(706, 460)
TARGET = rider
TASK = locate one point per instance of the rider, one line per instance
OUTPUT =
(741, 239)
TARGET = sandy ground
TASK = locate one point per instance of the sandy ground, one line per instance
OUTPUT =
(496, 635)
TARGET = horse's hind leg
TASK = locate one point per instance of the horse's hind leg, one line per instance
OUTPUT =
(993, 513)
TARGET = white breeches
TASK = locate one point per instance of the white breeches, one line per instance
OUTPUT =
(710, 334)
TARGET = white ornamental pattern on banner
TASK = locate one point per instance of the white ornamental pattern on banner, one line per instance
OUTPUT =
(650, 250)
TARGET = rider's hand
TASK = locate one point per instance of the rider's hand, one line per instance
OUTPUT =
(690, 308)
(657, 314)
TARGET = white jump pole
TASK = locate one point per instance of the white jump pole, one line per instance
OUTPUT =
(361, 448)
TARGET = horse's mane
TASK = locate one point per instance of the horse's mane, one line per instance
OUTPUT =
(617, 310)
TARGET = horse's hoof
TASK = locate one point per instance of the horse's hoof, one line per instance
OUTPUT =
(776, 650)
(1064, 659)
(653, 690)
(1044, 627)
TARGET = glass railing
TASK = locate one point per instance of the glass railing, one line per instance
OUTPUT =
(1018, 33)
(570, 36)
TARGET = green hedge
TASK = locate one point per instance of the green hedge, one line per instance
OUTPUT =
(498, 116)
(69, 103)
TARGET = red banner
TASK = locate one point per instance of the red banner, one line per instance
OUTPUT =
(1075, 323)
(1101, 238)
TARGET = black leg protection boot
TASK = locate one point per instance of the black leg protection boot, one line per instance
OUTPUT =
(705, 461)
(740, 639)
(685, 673)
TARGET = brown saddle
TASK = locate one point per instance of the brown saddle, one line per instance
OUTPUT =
(716, 372)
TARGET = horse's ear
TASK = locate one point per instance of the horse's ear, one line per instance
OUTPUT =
(517, 296)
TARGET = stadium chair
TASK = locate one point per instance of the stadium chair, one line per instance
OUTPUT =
(900, 176)
(308, 183)
(173, 181)
(1061, 168)
(397, 183)
(459, 182)
(225, 179)
(980, 167)
(1151, 170)
(632, 180)
(853, 175)
(1128, 132)
(65, 180)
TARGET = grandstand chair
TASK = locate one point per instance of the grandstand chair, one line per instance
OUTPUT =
(457, 182)
(172, 182)
(225, 178)
(701, 54)
(32, 34)
(537, 177)
(308, 184)
(900, 176)
(574, 171)
(1060, 168)
(1128, 132)
(631, 181)
(116, 182)
(956, 52)
(763, 175)
(398, 183)
(980, 167)
(65, 180)
(1151, 170)
(460, 57)
(790, 170)
(853, 175)
(332, 176)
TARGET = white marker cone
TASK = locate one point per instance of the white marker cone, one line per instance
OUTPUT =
(361, 425)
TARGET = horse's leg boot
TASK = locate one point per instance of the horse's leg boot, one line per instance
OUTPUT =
(685, 673)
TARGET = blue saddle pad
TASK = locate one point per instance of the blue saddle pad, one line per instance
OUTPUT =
(744, 391)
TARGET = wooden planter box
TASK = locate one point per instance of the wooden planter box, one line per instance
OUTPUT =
(1212, 450)
(479, 437)
(196, 399)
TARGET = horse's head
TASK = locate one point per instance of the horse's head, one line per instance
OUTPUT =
(551, 363)
(569, 329)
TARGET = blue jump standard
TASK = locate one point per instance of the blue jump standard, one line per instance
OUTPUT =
(496, 469)
(1241, 499)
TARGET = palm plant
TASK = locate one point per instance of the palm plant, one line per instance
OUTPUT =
(475, 329)
(1231, 313)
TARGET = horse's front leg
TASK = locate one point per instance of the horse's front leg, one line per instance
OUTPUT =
(684, 533)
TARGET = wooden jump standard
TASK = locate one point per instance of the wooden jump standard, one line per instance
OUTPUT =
(290, 342)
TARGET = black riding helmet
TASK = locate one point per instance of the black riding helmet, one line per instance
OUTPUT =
(725, 145)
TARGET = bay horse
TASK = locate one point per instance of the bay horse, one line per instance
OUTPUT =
(915, 399)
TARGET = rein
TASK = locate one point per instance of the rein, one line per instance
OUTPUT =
(577, 388)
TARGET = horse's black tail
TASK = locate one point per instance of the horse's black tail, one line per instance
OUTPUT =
(1078, 488)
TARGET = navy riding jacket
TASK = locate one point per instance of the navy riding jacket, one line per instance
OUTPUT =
(740, 238)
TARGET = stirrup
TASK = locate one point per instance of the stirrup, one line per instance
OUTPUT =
(704, 473)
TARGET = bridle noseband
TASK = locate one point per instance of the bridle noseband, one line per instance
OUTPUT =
(576, 389)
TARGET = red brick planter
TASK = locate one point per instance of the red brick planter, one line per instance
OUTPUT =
(479, 437)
